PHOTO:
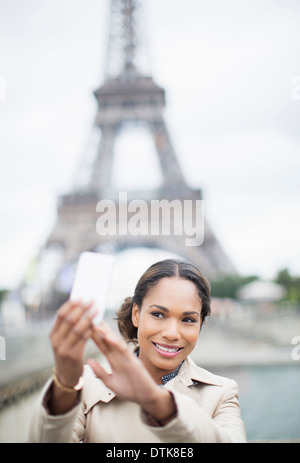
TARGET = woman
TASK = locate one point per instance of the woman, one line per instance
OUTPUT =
(153, 393)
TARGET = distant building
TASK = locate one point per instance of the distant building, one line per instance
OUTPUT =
(261, 291)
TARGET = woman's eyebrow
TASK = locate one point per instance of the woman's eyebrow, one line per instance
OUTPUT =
(160, 307)
(191, 313)
(167, 310)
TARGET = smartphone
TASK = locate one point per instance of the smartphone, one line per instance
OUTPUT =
(92, 281)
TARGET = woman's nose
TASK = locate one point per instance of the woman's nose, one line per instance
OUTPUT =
(171, 330)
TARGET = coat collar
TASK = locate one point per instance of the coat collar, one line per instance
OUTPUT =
(190, 372)
(95, 391)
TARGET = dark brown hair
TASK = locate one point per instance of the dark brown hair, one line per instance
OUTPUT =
(162, 269)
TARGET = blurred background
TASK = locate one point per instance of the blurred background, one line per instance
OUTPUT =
(231, 72)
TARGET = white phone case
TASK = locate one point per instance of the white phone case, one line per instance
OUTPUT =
(92, 281)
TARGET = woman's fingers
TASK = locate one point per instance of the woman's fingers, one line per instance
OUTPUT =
(73, 324)
(106, 338)
(100, 372)
(82, 329)
(114, 349)
(63, 312)
(128, 378)
(100, 341)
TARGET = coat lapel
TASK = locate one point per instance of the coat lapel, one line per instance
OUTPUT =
(94, 390)
(190, 372)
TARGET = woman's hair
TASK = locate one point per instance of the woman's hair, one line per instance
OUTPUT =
(164, 269)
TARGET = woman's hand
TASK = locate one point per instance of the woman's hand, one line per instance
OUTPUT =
(72, 329)
(129, 379)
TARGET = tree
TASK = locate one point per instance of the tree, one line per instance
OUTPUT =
(290, 283)
(229, 285)
(3, 293)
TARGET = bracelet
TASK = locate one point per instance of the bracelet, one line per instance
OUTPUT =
(70, 390)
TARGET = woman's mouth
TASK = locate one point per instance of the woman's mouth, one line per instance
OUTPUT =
(165, 350)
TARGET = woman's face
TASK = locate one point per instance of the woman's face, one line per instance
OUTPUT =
(168, 325)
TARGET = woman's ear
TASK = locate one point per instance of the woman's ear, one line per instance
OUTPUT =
(135, 315)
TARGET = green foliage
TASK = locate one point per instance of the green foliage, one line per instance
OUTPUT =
(229, 285)
(3, 293)
(290, 283)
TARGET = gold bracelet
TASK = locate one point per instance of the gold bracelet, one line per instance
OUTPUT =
(76, 388)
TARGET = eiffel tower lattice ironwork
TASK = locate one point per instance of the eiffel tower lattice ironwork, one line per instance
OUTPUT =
(128, 95)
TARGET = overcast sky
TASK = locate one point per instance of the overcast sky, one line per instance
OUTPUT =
(230, 69)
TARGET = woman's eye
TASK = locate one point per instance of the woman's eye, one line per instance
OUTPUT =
(189, 320)
(157, 314)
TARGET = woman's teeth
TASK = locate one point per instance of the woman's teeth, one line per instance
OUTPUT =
(166, 349)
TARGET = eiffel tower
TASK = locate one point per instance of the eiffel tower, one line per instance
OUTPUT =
(127, 95)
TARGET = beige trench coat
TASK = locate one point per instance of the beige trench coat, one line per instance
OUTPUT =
(207, 411)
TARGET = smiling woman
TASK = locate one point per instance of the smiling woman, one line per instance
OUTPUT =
(166, 336)
(152, 392)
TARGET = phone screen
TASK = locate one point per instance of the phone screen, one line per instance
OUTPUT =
(92, 281)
